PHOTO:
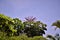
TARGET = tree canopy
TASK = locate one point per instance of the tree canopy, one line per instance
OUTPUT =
(13, 26)
(34, 28)
(57, 24)
(30, 29)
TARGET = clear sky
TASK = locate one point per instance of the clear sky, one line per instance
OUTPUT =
(47, 11)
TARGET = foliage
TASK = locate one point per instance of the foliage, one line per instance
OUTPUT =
(18, 25)
(51, 37)
(6, 17)
(39, 38)
(55, 37)
(22, 37)
(10, 26)
(15, 29)
(34, 28)
(57, 24)
(6, 24)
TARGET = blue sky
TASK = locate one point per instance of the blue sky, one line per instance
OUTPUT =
(47, 11)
